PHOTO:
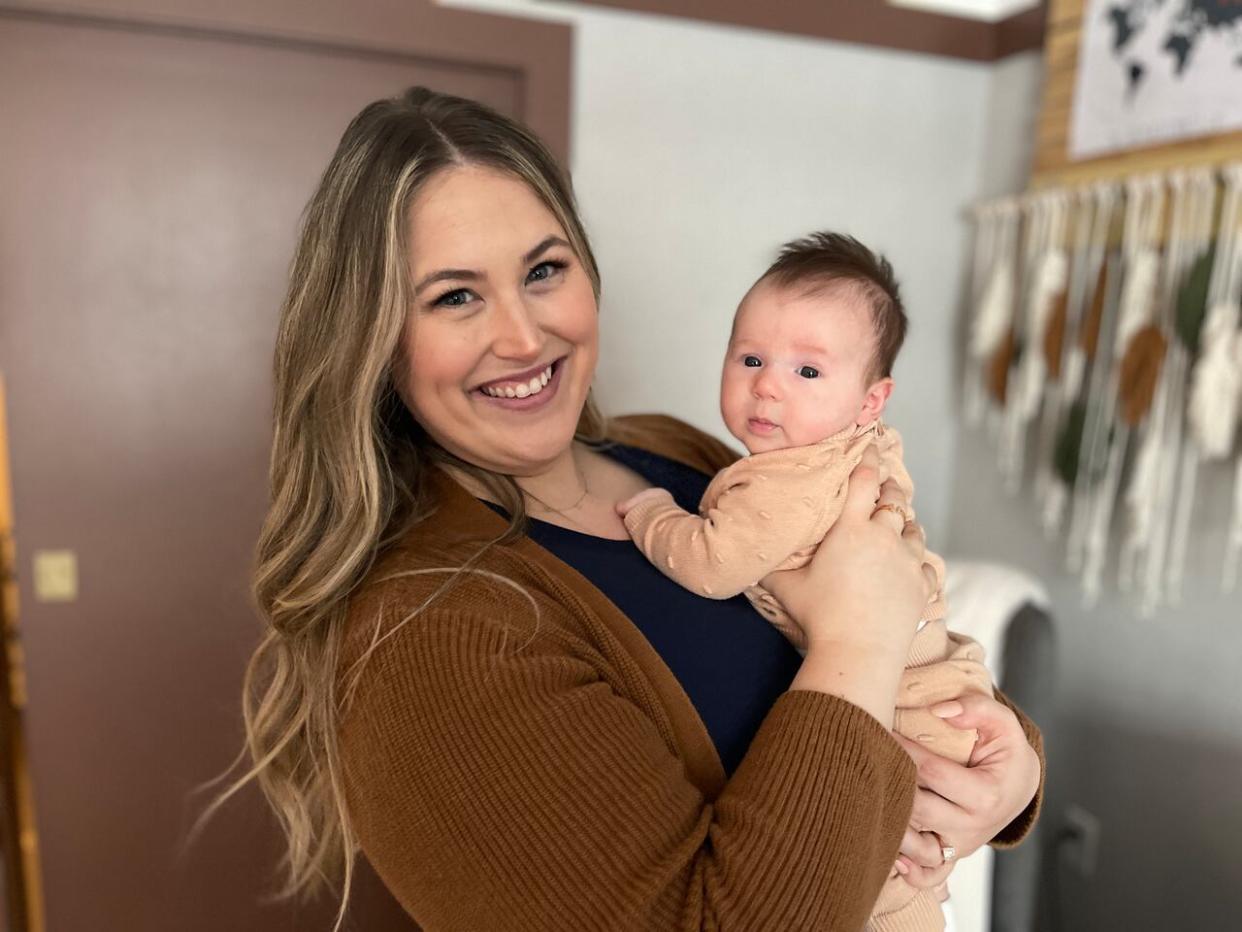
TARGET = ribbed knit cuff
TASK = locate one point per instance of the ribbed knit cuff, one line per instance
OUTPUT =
(1013, 833)
(827, 727)
(921, 914)
(640, 514)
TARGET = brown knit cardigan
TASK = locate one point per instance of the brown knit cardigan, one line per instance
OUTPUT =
(519, 757)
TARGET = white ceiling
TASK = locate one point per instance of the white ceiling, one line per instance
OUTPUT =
(989, 10)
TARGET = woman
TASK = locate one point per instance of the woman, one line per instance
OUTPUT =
(449, 681)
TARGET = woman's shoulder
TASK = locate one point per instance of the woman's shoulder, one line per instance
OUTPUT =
(674, 439)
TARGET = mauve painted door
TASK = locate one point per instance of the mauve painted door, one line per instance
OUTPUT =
(152, 178)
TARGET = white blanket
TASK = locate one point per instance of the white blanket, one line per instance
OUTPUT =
(982, 600)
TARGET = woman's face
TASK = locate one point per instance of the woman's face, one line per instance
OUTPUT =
(502, 336)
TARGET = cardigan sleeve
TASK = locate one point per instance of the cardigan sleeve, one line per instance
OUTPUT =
(1013, 833)
(500, 782)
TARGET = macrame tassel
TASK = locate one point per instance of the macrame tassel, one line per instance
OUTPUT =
(1216, 383)
(995, 311)
(1137, 296)
(1140, 373)
(999, 366)
(1050, 283)
(1089, 338)
(1067, 361)
(1140, 499)
(1054, 335)
(1190, 263)
(1207, 323)
(1143, 222)
(1187, 479)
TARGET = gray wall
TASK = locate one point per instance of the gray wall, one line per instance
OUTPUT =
(1148, 730)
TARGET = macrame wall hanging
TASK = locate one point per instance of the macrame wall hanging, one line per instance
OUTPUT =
(1105, 358)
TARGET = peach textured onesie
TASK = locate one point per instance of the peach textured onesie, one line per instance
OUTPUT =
(768, 512)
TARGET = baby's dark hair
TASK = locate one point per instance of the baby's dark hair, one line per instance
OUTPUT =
(820, 260)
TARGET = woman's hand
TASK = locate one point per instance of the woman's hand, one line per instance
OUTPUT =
(967, 805)
(859, 599)
(866, 584)
(924, 861)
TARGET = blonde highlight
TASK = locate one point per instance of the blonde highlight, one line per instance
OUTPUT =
(349, 470)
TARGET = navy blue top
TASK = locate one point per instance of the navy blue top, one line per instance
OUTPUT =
(732, 664)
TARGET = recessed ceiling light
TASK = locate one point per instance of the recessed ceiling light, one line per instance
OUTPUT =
(988, 10)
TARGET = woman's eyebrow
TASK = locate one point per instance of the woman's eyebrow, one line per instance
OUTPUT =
(547, 243)
(472, 276)
(443, 274)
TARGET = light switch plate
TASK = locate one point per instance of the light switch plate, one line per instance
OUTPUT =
(55, 575)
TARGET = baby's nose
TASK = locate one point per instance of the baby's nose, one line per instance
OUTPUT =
(766, 385)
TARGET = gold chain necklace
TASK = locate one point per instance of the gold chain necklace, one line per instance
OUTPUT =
(581, 498)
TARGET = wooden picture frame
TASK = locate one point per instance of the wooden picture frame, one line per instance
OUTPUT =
(1052, 164)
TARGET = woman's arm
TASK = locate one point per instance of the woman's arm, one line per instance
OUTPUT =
(497, 781)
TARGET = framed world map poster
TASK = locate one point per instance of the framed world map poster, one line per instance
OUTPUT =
(1137, 86)
(1152, 71)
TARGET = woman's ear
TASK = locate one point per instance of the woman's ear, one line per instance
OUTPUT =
(874, 401)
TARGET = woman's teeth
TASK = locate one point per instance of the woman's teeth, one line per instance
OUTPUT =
(520, 389)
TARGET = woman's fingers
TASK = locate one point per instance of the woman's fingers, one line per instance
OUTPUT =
(951, 821)
(996, 724)
(863, 489)
(922, 848)
(892, 508)
(969, 805)
(925, 878)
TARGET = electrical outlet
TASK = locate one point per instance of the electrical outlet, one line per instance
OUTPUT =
(1081, 836)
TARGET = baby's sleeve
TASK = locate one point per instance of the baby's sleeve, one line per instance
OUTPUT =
(748, 534)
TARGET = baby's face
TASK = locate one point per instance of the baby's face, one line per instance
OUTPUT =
(796, 371)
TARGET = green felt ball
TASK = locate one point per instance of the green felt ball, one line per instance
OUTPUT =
(1192, 300)
(1069, 444)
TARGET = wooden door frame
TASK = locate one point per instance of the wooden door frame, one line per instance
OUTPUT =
(23, 893)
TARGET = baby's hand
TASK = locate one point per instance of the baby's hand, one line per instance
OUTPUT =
(623, 508)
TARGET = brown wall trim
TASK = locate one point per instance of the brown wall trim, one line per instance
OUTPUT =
(1021, 32)
(866, 22)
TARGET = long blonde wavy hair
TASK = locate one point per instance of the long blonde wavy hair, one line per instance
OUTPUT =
(349, 465)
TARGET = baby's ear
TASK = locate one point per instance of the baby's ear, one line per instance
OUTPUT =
(874, 401)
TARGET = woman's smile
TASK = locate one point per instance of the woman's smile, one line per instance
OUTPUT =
(531, 390)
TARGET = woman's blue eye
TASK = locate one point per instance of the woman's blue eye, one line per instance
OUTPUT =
(753, 362)
(453, 298)
(808, 372)
(544, 270)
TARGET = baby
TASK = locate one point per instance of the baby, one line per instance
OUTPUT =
(806, 378)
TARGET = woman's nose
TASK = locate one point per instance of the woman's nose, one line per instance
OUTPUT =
(515, 332)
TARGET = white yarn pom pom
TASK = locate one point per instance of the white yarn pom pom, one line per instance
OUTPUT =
(1137, 296)
(994, 312)
(1216, 383)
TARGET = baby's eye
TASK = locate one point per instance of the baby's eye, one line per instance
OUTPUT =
(544, 270)
(456, 298)
(752, 362)
(808, 372)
